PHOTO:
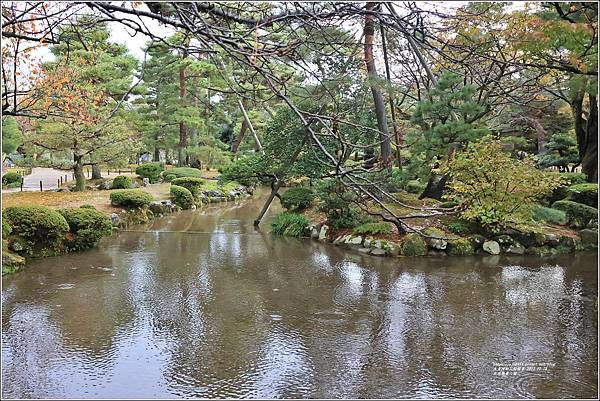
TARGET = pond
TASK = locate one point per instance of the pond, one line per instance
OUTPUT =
(201, 304)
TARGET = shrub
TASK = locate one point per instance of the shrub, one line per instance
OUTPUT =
(182, 197)
(150, 170)
(298, 198)
(573, 178)
(179, 172)
(6, 228)
(131, 198)
(415, 186)
(192, 184)
(413, 245)
(459, 227)
(122, 182)
(86, 227)
(11, 178)
(335, 201)
(86, 206)
(459, 247)
(584, 193)
(41, 229)
(289, 224)
(578, 214)
(373, 229)
(549, 215)
(497, 190)
(168, 177)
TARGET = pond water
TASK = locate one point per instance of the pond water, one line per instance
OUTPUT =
(201, 304)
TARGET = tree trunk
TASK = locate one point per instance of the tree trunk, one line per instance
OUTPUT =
(96, 173)
(181, 151)
(397, 134)
(378, 101)
(586, 131)
(240, 137)
(79, 174)
(250, 127)
(156, 156)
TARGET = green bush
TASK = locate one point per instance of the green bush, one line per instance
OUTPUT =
(573, 178)
(193, 184)
(86, 227)
(6, 228)
(122, 182)
(298, 198)
(86, 206)
(335, 201)
(460, 247)
(578, 214)
(459, 227)
(150, 170)
(130, 198)
(413, 245)
(11, 178)
(584, 193)
(415, 186)
(179, 172)
(289, 224)
(549, 215)
(41, 229)
(182, 197)
(373, 229)
(168, 177)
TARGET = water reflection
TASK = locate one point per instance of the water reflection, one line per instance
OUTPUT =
(223, 310)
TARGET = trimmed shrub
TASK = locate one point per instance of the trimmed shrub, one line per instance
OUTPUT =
(298, 198)
(179, 172)
(584, 193)
(39, 229)
(415, 186)
(168, 177)
(573, 178)
(11, 178)
(549, 215)
(373, 228)
(6, 228)
(289, 224)
(413, 245)
(460, 247)
(86, 206)
(130, 198)
(192, 184)
(86, 227)
(122, 182)
(150, 170)
(578, 214)
(182, 197)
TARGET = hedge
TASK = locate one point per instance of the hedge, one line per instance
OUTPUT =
(130, 198)
(86, 227)
(179, 172)
(122, 182)
(182, 197)
(11, 178)
(297, 198)
(150, 170)
(39, 230)
(192, 184)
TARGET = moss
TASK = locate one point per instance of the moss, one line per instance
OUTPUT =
(130, 198)
(415, 186)
(584, 193)
(122, 182)
(477, 241)
(11, 262)
(182, 197)
(413, 245)
(86, 227)
(139, 216)
(39, 229)
(578, 214)
(460, 246)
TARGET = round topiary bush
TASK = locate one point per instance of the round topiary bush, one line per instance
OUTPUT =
(182, 197)
(193, 184)
(150, 170)
(298, 198)
(122, 182)
(179, 172)
(413, 245)
(130, 198)
(168, 177)
(40, 230)
(86, 227)
(11, 178)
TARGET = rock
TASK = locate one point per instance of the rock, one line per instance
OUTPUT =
(323, 233)
(364, 250)
(540, 251)
(437, 243)
(339, 239)
(104, 185)
(63, 190)
(350, 240)
(146, 181)
(504, 240)
(491, 247)
(413, 245)
(193, 207)
(394, 249)
(516, 248)
(436, 240)
(572, 243)
(460, 247)
(378, 252)
(531, 239)
(589, 238)
(477, 241)
(11, 262)
(161, 207)
(368, 242)
(116, 219)
(314, 233)
(16, 246)
(551, 239)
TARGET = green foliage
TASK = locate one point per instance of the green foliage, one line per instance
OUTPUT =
(549, 215)
(248, 171)
(298, 198)
(168, 177)
(373, 229)
(86, 227)
(458, 227)
(415, 186)
(150, 170)
(122, 182)
(193, 184)
(413, 245)
(182, 197)
(460, 247)
(130, 198)
(6, 228)
(87, 206)
(495, 189)
(335, 201)
(179, 172)
(573, 178)
(11, 178)
(289, 224)
(11, 135)
(578, 214)
(40, 230)
(584, 193)
(561, 151)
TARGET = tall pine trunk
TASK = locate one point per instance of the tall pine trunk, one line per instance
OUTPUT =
(79, 174)
(96, 173)
(586, 131)
(181, 151)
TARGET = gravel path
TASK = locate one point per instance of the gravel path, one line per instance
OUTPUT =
(48, 176)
